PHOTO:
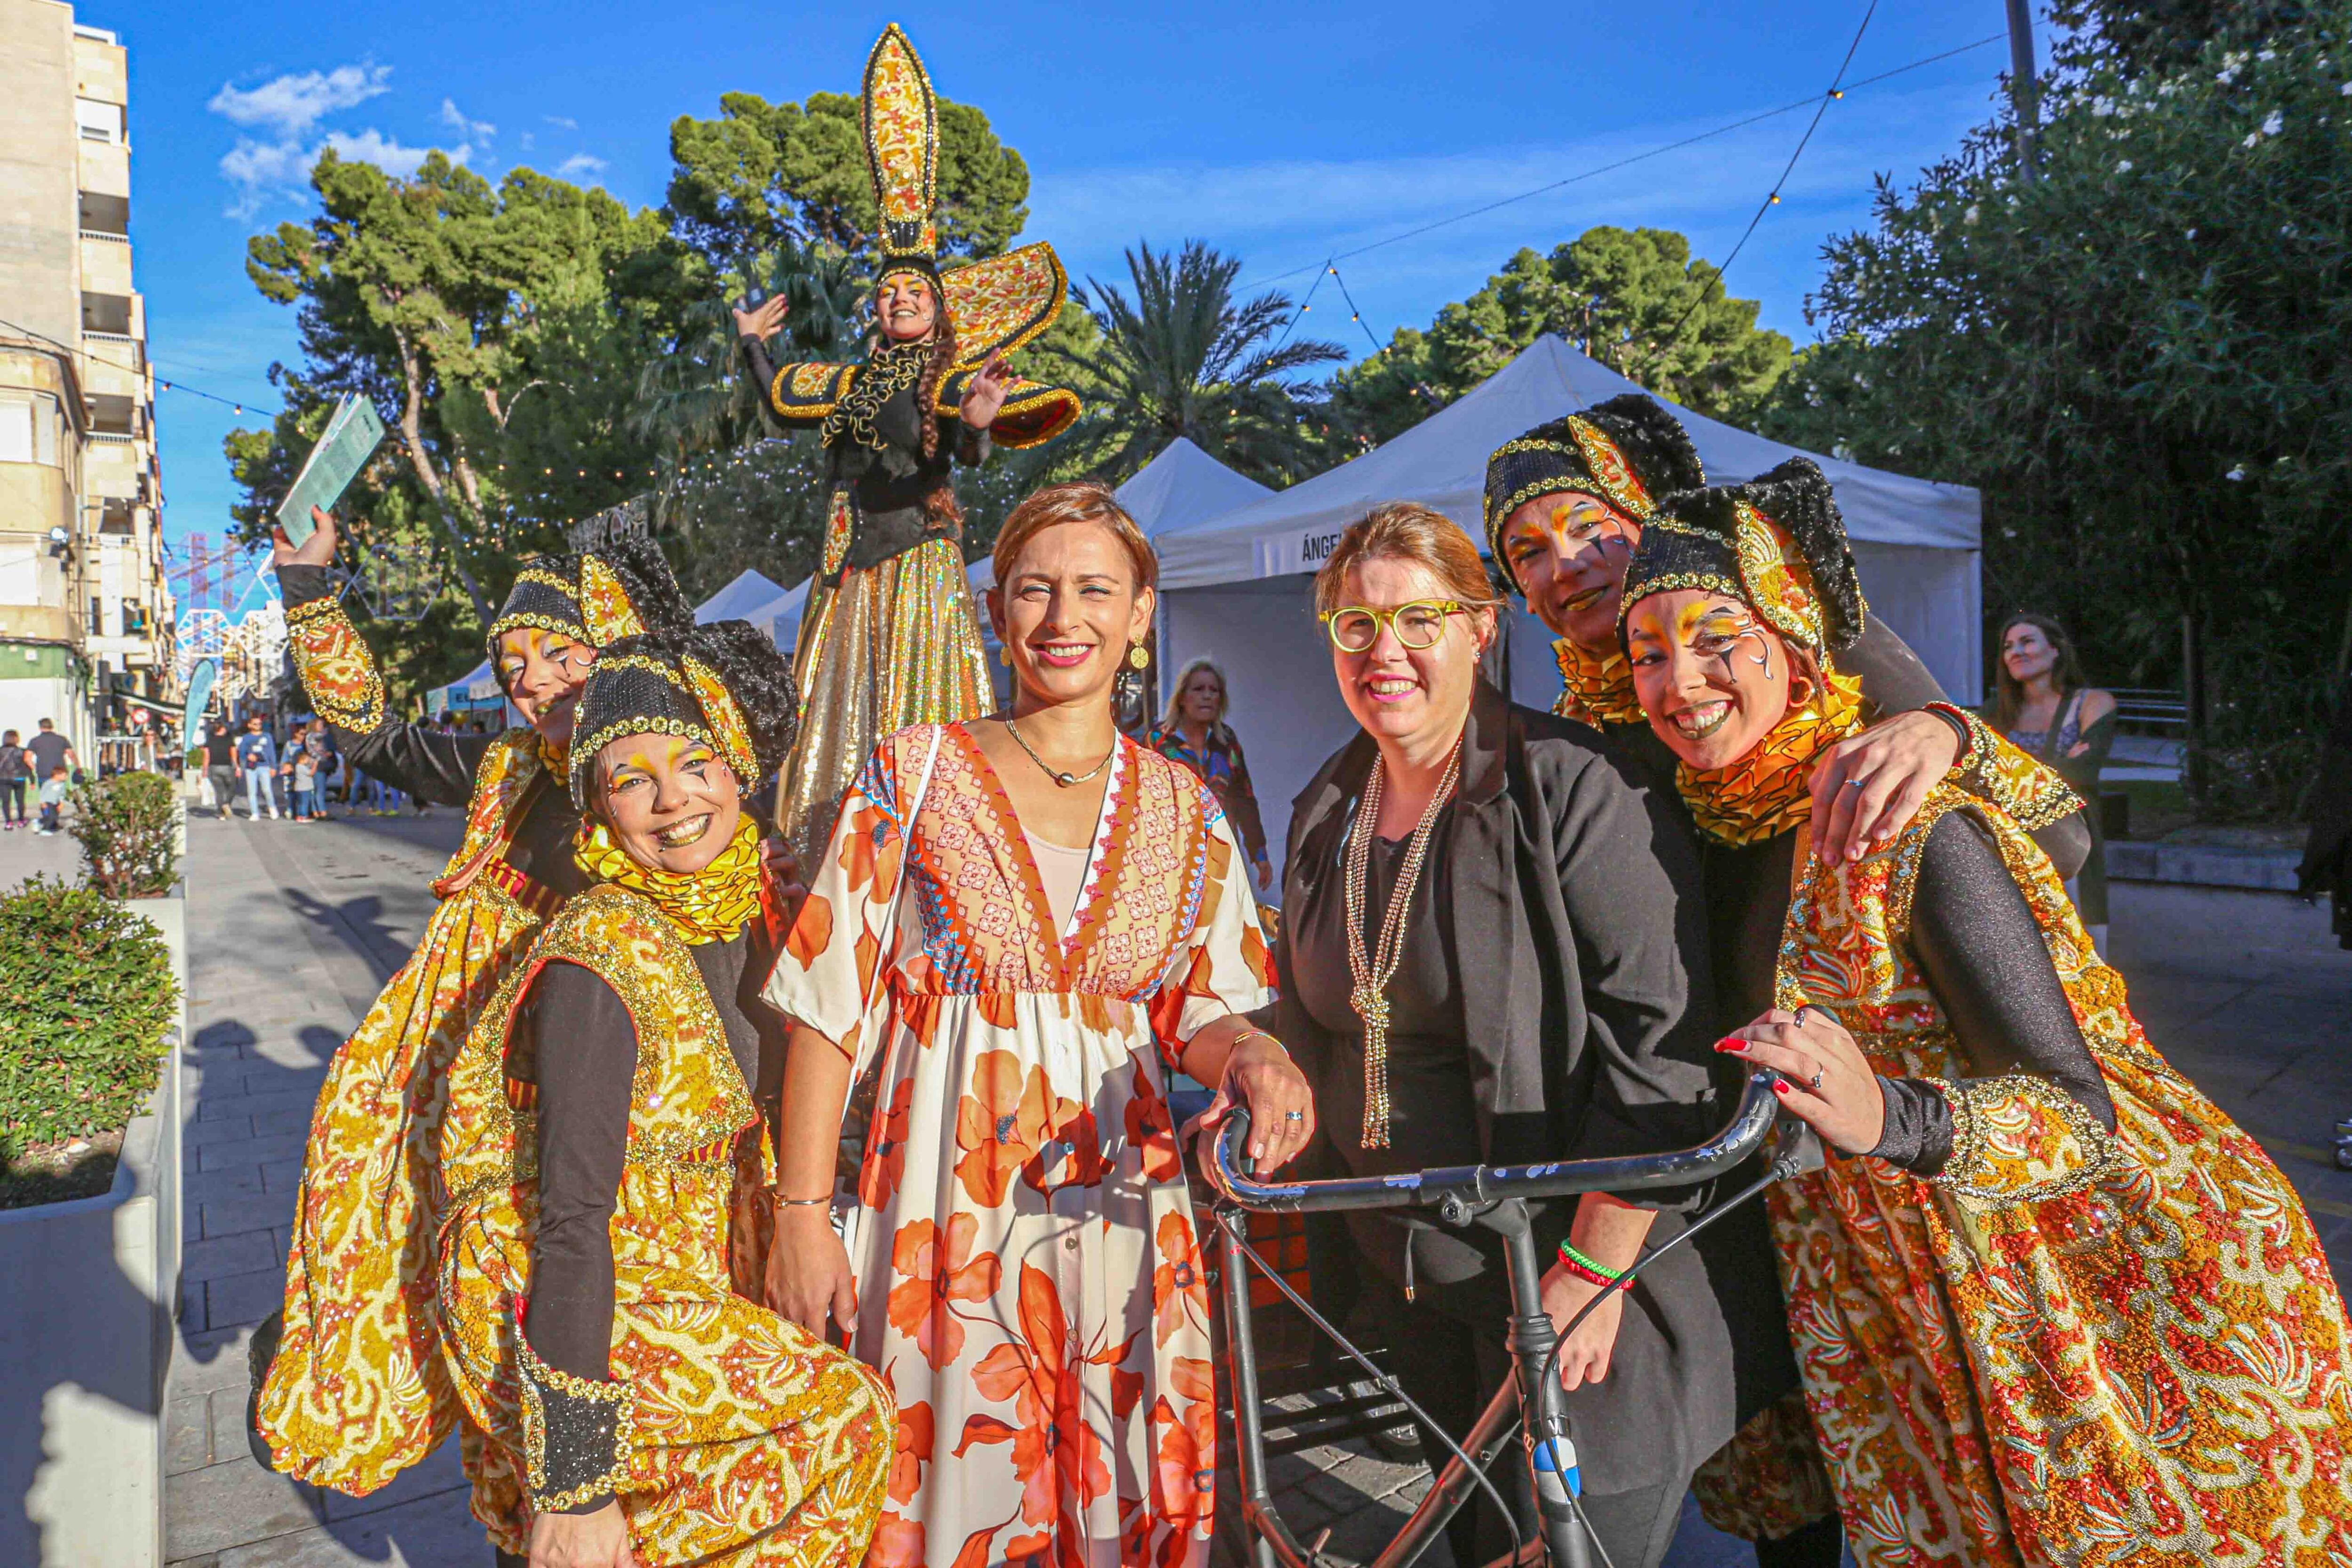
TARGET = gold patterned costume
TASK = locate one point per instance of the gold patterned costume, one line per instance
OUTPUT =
(603, 1154)
(2041, 1341)
(891, 635)
(356, 1391)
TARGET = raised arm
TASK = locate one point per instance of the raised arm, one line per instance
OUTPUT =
(346, 690)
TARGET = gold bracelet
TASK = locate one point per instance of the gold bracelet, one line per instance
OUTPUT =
(784, 1203)
(1256, 1035)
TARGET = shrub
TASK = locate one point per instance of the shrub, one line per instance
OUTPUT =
(86, 995)
(128, 829)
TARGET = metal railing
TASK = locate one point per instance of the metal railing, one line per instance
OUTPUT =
(2151, 707)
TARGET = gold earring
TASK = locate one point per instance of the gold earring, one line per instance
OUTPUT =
(1139, 657)
(1004, 654)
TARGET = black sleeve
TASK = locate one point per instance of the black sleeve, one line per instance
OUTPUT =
(436, 767)
(763, 370)
(1630, 879)
(1893, 679)
(583, 1133)
(1988, 967)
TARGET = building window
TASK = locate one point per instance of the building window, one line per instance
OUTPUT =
(106, 313)
(134, 619)
(99, 121)
(96, 617)
(16, 430)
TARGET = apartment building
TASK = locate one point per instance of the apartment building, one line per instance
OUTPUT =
(86, 609)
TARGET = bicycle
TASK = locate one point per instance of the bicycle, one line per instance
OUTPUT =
(1495, 1197)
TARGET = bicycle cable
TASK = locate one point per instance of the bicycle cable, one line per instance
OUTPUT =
(1388, 1384)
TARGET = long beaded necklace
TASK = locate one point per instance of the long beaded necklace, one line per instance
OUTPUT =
(1372, 971)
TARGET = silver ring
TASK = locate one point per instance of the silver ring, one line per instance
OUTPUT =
(1855, 783)
(1816, 1085)
(1294, 1116)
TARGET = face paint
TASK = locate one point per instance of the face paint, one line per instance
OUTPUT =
(1705, 670)
(1568, 553)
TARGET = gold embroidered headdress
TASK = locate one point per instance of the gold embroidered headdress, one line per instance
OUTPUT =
(998, 304)
(1627, 451)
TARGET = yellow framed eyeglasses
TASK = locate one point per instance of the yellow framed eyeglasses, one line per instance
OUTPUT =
(1354, 628)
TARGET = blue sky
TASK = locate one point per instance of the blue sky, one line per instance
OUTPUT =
(1281, 133)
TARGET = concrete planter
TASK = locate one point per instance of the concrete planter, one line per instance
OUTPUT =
(87, 1289)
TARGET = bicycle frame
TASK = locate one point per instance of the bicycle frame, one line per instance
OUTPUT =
(1497, 1198)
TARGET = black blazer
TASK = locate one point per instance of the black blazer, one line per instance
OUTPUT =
(1579, 922)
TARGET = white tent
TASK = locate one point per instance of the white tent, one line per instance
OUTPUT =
(1237, 588)
(750, 591)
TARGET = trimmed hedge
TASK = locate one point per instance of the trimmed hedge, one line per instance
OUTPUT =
(86, 996)
(128, 828)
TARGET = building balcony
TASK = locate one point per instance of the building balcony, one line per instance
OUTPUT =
(38, 623)
(106, 269)
(105, 169)
(105, 217)
(33, 499)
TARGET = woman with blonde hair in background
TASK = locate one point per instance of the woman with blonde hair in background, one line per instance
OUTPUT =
(1193, 731)
(1029, 922)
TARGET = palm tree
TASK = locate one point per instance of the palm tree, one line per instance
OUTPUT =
(1182, 358)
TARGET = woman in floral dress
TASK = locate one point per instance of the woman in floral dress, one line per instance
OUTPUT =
(1077, 925)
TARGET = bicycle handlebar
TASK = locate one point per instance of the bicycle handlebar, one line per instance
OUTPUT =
(1750, 1127)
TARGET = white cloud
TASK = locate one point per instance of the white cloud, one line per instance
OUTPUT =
(385, 153)
(580, 166)
(292, 104)
(558, 120)
(470, 130)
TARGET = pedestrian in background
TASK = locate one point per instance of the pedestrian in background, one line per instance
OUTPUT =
(1193, 731)
(302, 774)
(257, 765)
(53, 798)
(2040, 703)
(51, 751)
(16, 774)
(220, 764)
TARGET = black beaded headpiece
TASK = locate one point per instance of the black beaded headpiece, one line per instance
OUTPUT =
(1627, 451)
(614, 584)
(724, 684)
(1775, 543)
(546, 595)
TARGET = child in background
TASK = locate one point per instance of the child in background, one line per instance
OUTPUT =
(53, 799)
(306, 781)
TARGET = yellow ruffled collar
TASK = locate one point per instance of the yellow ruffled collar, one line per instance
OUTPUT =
(1599, 687)
(1769, 791)
(709, 905)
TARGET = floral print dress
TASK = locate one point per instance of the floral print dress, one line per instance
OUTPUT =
(1028, 1272)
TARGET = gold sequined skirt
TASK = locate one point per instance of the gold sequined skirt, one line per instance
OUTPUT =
(894, 644)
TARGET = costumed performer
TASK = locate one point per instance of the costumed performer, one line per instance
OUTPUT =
(889, 637)
(1029, 922)
(2051, 1305)
(603, 1129)
(1565, 506)
(349, 1390)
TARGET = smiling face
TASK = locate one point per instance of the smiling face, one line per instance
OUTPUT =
(1402, 694)
(1713, 678)
(907, 306)
(2026, 653)
(1204, 698)
(1568, 552)
(542, 672)
(1067, 611)
(672, 803)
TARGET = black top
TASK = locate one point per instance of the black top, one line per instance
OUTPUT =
(1568, 905)
(48, 750)
(220, 750)
(584, 1102)
(1432, 1120)
(1894, 681)
(886, 487)
(1984, 958)
(439, 768)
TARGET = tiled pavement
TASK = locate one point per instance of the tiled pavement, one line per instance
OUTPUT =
(2243, 990)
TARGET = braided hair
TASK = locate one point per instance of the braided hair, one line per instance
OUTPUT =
(940, 506)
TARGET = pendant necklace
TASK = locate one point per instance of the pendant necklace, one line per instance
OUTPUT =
(1372, 971)
(1059, 777)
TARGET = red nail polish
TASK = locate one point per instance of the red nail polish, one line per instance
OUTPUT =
(1780, 1085)
(1732, 1043)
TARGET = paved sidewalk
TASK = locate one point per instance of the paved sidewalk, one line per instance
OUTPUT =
(295, 930)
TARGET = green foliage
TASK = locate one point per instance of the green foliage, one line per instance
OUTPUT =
(1183, 357)
(86, 996)
(2143, 358)
(127, 826)
(762, 175)
(1632, 298)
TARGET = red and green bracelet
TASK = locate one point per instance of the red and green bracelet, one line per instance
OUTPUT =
(1585, 1268)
